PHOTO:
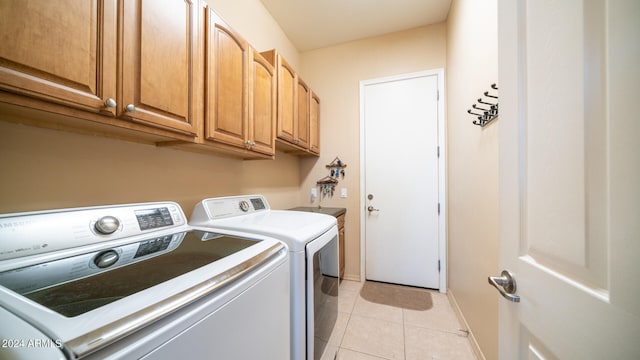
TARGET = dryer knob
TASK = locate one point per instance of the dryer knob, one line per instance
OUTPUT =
(107, 225)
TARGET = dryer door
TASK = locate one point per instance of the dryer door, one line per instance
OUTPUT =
(322, 294)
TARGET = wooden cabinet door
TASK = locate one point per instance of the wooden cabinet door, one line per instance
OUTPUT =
(159, 64)
(314, 124)
(262, 114)
(62, 51)
(302, 123)
(226, 83)
(341, 246)
(287, 101)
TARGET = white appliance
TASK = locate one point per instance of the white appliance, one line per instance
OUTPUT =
(136, 281)
(313, 247)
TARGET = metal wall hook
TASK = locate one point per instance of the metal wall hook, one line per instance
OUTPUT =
(479, 108)
(484, 102)
(488, 114)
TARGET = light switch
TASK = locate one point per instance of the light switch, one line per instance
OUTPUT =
(314, 193)
(343, 192)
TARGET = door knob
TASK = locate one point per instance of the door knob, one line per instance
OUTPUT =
(371, 208)
(506, 285)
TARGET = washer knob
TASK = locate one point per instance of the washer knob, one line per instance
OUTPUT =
(107, 225)
(106, 259)
(244, 205)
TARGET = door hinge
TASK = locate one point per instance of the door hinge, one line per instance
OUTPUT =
(438, 208)
(438, 151)
(437, 94)
(438, 265)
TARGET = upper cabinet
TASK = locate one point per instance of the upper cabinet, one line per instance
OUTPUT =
(68, 53)
(314, 123)
(286, 117)
(173, 72)
(159, 64)
(302, 118)
(240, 88)
(262, 105)
(226, 83)
(294, 128)
(60, 51)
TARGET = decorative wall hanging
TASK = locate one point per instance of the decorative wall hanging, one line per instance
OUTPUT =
(328, 183)
(489, 108)
(337, 168)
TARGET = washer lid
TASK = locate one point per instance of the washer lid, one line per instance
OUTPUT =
(295, 228)
(86, 308)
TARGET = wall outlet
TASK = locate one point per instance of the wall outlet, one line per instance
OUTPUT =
(314, 193)
(343, 192)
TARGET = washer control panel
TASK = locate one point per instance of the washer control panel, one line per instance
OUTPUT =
(26, 234)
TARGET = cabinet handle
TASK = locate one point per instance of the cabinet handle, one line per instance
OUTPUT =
(253, 143)
(110, 103)
(130, 108)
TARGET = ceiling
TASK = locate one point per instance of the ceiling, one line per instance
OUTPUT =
(312, 24)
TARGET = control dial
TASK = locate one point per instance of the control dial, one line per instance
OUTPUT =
(244, 205)
(107, 225)
(106, 259)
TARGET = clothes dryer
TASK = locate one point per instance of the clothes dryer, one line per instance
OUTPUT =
(312, 240)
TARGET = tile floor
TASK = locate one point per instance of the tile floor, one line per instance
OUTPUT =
(370, 331)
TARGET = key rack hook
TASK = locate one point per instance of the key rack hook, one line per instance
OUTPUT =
(489, 114)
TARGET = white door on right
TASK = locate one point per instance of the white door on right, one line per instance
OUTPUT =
(570, 178)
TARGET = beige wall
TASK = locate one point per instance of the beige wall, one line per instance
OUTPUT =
(472, 66)
(46, 169)
(335, 74)
(257, 26)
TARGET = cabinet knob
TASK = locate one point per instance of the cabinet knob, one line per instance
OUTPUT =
(253, 143)
(110, 103)
(130, 108)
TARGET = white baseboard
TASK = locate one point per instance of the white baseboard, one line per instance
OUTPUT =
(351, 277)
(472, 339)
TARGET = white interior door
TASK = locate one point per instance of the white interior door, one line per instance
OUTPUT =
(400, 118)
(569, 177)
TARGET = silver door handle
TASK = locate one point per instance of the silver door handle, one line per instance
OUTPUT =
(371, 208)
(506, 285)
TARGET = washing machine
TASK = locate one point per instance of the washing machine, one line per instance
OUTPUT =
(312, 240)
(135, 281)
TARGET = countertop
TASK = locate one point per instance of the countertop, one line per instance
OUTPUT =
(335, 212)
